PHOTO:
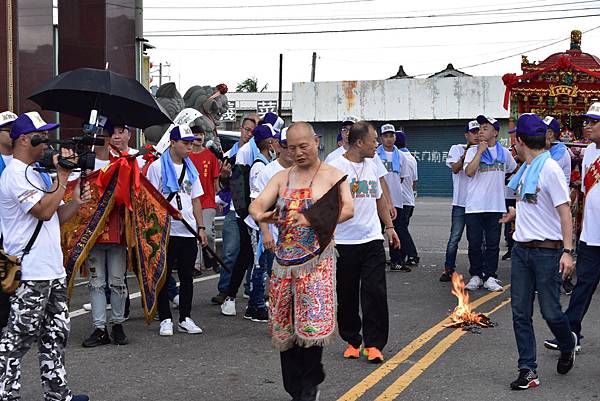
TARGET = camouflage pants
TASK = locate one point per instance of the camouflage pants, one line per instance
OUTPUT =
(39, 313)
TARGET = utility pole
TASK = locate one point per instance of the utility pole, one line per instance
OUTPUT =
(314, 67)
(159, 74)
(280, 84)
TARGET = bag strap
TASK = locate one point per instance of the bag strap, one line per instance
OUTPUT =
(29, 245)
(179, 181)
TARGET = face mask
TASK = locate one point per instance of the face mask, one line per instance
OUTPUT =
(272, 153)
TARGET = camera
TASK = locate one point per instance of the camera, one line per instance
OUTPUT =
(86, 158)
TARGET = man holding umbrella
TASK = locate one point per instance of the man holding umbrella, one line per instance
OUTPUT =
(31, 209)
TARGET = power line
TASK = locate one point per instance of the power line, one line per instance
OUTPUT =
(465, 24)
(260, 5)
(516, 54)
(235, 28)
(500, 11)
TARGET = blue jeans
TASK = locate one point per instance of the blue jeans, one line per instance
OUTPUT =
(231, 249)
(407, 245)
(483, 226)
(588, 276)
(108, 259)
(536, 269)
(456, 232)
(260, 272)
(172, 289)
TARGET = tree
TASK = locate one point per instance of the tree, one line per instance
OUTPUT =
(250, 85)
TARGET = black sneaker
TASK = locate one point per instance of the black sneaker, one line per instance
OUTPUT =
(250, 311)
(446, 275)
(98, 337)
(552, 344)
(507, 255)
(118, 335)
(400, 268)
(568, 286)
(218, 299)
(412, 261)
(567, 359)
(527, 379)
(260, 315)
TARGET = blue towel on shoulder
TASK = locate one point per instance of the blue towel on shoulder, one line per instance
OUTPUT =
(395, 157)
(530, 183)
(169, 174)
(486, 157)
(45, 176)
(558, 151)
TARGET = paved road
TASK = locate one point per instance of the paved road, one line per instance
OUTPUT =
(233, 359)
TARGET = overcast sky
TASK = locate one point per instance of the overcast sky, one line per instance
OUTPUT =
(356, 55)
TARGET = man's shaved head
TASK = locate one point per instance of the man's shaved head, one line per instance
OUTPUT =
(303, 144)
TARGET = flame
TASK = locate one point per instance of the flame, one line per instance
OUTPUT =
(462, 313)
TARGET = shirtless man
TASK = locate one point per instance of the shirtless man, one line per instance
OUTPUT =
(304, 268)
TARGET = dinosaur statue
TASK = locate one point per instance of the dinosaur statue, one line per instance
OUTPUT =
(208, 100)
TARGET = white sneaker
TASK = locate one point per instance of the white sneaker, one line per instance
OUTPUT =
(474, 283)
(493, 284)
(175, 302)
(88, 307)
(166, 328)
(228, 307)
(188, 326)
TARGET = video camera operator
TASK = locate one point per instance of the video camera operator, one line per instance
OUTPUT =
(31, 210)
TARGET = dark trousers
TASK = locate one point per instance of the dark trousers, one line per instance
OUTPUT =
(509, 228)
(361, 279)
(395, 254)
(588, 276)
(182, 252)
(536, 269)
(301, 369)
(407, 246)
(244, 261)
(480, 227)
(4, 309)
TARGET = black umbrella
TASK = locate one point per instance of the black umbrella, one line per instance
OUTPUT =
(120, 98)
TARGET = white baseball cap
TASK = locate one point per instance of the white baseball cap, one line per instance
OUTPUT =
(7, 117)
(387, 128)
(593, 111)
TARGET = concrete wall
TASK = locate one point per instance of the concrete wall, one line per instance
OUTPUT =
(399, 99)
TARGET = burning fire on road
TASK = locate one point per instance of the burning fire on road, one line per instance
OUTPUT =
(462, 316)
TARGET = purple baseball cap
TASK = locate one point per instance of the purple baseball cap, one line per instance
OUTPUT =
(530, 124)
(28, 123)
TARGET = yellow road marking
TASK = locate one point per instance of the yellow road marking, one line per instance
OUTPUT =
(418, 368)
(375, 377)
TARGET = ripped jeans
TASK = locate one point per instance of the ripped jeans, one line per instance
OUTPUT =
(107, 259)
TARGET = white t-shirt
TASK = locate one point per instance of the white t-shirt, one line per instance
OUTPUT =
(411, 175)
(460, 179)
(244, 155)
(261, 183)
(590, 233)
(17, 197)
(485, 190)
(565, 164)
(255, 171)
(364, 226)
(540, 220)
(187, 192)
(7, 159)
(394, 180)
(381, 170)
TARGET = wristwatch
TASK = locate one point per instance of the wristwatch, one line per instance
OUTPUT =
(569, 251)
